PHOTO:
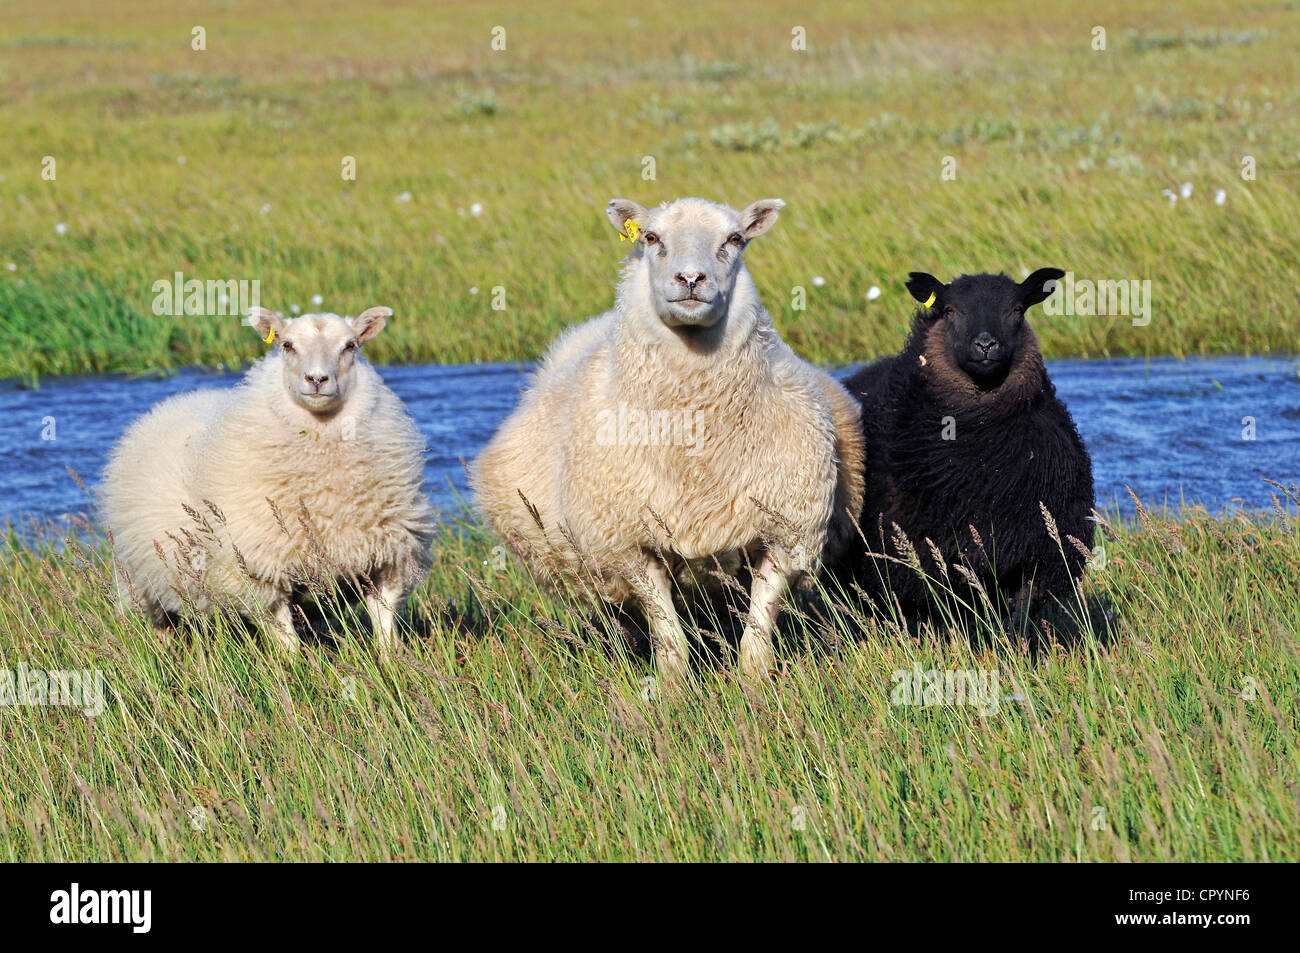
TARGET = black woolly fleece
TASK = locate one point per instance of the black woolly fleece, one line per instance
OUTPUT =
(1013, 447)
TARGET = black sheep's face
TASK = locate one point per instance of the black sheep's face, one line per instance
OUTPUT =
(982, 316)
(983, 320)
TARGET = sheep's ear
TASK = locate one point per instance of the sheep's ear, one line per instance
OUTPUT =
(759, 217)
(264, 322)
(1039, 286)
(369, 323)
(925, 288)
(621, 210)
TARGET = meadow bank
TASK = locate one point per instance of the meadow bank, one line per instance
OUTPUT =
(454, 182)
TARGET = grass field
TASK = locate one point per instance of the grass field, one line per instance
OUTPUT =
(510, 728)
(226, 163)
(510, 725)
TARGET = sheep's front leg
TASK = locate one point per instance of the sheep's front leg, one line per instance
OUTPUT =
(769, 588)
(381, 602)
(672, 651)
(1022, 610)
(286, 636)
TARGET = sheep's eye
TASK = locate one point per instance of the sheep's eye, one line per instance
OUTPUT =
(286, 347)
(736, 238)
(949, 311)
(651, 238)
(1017, 311)
(350, 346)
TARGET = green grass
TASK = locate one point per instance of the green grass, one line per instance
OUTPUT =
(1062, 153)
(509, 727)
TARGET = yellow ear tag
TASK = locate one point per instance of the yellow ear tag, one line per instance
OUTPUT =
(930, 300)
(271, 337)
(631, 228)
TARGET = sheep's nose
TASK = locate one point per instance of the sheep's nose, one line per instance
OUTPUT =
(690, 278)
(317, 379)
(986, 344)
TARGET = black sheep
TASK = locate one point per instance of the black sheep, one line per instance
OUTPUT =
(964, 429)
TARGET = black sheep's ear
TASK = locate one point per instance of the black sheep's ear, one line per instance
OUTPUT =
(1039, 286)
(926, 289)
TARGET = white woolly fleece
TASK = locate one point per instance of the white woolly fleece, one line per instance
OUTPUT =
(349, 489)
(773, 429)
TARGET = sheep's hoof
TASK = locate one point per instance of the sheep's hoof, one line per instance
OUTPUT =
(756, 659)
(287, 644)
(673, 674)
(649, 689)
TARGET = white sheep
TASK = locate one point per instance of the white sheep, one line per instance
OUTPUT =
(310, 469)
(676, 433)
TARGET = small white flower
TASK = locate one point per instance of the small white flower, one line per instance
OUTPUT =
(476, 209)
(818, 281)
(1220, 196)
(1185, 190)
(474, 290)
(293, 309)
(404, 197)
(317, 300)
(266, 209)
(1171, 195)
(61, 228)
(180, 160)
(873, 293)
(11, 266)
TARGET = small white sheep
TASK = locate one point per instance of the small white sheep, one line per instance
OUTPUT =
(310, 469)
(676, 433)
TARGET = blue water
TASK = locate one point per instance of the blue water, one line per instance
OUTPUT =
(1170, 429)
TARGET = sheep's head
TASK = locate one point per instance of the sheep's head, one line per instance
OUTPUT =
(691, 252)
(318, 353)
(982, 318)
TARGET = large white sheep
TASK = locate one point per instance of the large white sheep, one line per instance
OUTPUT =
(675, 433)
(309, 470)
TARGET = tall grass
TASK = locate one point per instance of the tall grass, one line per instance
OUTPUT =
(514, 726)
